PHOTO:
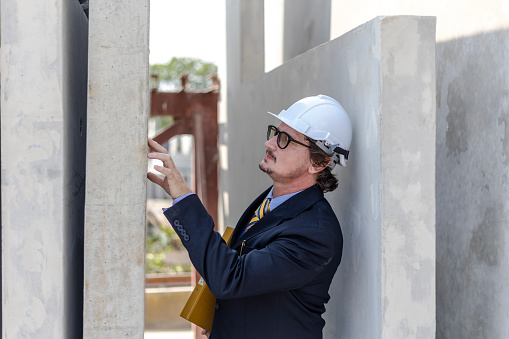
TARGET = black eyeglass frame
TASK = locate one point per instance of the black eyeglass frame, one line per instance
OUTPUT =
(272, 131)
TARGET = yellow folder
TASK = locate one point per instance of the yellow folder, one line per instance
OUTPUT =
(200, 306)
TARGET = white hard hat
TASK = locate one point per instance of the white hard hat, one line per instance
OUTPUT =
(322, 119)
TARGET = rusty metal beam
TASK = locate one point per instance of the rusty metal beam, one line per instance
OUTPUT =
(196, 114)
(178, 104)
(177, 128)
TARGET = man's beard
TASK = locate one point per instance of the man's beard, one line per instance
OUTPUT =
(268, 170)
(294, 173)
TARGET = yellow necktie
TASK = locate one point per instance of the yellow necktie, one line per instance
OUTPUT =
(260, 213)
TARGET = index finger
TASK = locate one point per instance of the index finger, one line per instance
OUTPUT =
(165, 158)
(156, 147)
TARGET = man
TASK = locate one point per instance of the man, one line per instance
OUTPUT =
(273, 281)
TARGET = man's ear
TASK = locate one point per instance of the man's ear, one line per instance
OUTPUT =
(314, 168)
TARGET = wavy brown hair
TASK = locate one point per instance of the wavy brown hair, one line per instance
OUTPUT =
(326, 181)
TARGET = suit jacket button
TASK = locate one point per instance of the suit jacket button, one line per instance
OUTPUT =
(186, 237)
(217, 306)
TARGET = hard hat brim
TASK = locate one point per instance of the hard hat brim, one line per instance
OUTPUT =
(275, 115)
(286, 121)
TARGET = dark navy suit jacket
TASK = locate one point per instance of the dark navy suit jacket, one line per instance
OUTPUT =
(273, 282)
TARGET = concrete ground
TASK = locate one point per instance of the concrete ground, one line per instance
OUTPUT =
(176, 334)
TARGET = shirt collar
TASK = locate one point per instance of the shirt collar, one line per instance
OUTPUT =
(275, 202)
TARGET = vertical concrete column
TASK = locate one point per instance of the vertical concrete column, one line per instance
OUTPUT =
(306, 25)
(43, 100)
(233, 34)
(252, 39)
(407, 141)
(118, 101)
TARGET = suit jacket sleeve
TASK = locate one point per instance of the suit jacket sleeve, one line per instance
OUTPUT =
(289, 261)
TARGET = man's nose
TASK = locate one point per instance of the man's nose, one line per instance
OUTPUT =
(271, 143)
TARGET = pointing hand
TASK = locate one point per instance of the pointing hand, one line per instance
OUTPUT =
(173, 182)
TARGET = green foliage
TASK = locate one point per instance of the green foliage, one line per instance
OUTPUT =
(199, 72)
(162, 121)
(160, 242)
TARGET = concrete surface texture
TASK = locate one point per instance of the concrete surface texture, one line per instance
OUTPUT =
(43, 100)
(118, 102)
(306, 25)
(471, 157)
(383, 74)
(407, 132)
(472, 187)
(251, 29)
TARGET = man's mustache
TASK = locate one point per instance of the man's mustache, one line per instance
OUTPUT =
(271, 154)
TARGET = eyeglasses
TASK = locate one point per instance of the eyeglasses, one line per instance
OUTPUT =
(283, 138)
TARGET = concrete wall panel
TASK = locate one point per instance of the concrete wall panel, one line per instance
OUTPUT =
(253, 47)
(471, 157)
(472, 187)
(382, 72)
(306, 25)
(43, 97)
(116, 170)
(408, 177)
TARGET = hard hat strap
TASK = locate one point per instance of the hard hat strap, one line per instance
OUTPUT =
(338, 155)
(339, 150)
(330, 149)
(323, 146)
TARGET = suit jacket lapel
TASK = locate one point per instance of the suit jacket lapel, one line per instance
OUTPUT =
(286, 210)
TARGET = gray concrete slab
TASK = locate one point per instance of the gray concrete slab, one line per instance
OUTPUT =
(472, 187)
(252, 45)
(306, 25)
(382, 72)
(43, 99)
(471, 157)
(118, 103)
(407, 132)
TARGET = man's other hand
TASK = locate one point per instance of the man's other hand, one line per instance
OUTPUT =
(173, 182)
